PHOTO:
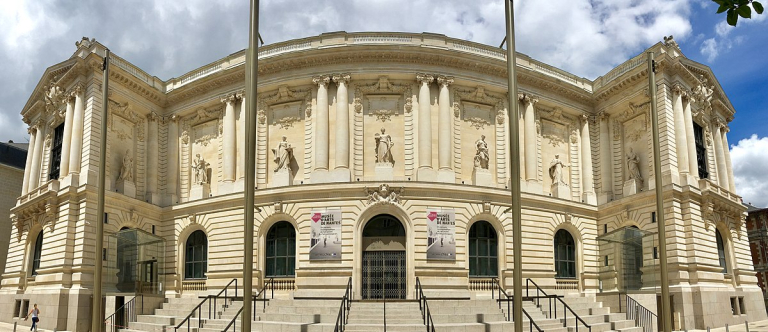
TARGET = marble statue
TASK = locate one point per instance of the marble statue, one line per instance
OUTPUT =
(482, 156)
(126, 171)
(200, 168)
(283, 155)
(384, 147)
(53, 94)
(556, 170)
(633, 167)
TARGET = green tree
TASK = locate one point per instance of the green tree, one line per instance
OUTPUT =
(736, 8)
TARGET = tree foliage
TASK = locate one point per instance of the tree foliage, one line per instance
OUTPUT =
(736, 8)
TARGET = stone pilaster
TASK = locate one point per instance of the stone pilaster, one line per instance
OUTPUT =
(240, 182)
(587, 182)
(320, 170)
(529, 140)
(66, 141)
(341, 171)
(727, 153)
(37, 152)
(229, 167)
(722, 171)
(606, 166)
(28, 167)
(153, 147)
(691, 148)
(425, 171)
(172, 170)
(75, 156)
(681, 143)
(445, 134)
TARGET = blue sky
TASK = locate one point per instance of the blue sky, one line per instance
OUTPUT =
(584, 37)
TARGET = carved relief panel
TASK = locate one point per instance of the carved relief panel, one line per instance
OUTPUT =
(125, 145)
(559, 140)
(283, 113)
(201, 133)
(477, 114)
(632, 129)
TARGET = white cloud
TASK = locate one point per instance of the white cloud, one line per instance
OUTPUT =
(748, 158)
(709, 49)
(723, 41)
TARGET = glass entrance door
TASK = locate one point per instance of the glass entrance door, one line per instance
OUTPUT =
(383, 275)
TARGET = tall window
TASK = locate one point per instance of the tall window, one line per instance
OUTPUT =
(36, 253)
(565, 255)
(55, 164)
(483, 261)
(701, 151)
(281, 250)
(196, 258)
(721, 251)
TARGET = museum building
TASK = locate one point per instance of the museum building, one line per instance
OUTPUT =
(381, 157)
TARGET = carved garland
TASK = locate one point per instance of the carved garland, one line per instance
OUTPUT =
(479, 96)
(383, 88)
(284, 94)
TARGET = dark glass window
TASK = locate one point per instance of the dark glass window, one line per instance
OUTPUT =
(36, 253)
(483, 252)
(55, 163)
(565, 255)
(196, 257)
(701, 151)
(281, 250)
(721, 251)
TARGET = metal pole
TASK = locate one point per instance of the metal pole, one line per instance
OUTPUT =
(251, 80)
(666, 311)
(514, 150)
(97, 319)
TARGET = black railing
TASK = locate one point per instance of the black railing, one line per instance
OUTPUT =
(232, 323)
(343, 317)
(426, 315)
(507, 298)
(550, 298)
(262, 296)
(212, 307)
(125, 314)
(641, 315)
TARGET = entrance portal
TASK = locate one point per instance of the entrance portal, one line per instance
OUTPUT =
(384, 259)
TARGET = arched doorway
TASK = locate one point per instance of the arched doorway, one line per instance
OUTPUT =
(384, 259)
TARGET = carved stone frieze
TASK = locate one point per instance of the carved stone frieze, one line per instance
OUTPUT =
(636, 118)
(478, 107)
(284, 107)
(384, 194)
(383, 99)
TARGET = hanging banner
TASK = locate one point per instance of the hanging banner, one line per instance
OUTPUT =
(326, 235)
(441, 234)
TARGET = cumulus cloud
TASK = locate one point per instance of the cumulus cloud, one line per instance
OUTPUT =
(748, 158)
(169, 38)
(722, 41)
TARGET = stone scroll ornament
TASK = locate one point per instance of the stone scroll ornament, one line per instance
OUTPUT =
(384, 147)
(126, 171)
(283, 156)
(200, 168)
(556, 170)
(482, 157)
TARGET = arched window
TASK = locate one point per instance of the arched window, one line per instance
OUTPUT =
(36, 253)
(565, 255)
(483, 261)
(196, 258)
(721, 251)
(281, 250)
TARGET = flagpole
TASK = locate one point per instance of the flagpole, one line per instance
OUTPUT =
(251, 79)
(514, 150)
(97, 318)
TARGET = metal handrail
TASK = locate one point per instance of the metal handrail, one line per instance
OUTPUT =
(199, 307)
(558, 298)
(343, 317)
(641, 315)
(531, 323)
(508, 298)
(232, 322)
(129, 308)
(426, 314)
(263, 293)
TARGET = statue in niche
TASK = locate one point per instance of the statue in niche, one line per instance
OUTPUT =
(482, 157)
(633, 167)
(283, 155)
(200, 168)
(384, 147)
(126, 171)
(556, 171)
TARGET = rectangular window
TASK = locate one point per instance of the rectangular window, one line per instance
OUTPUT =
(653, 217)
(742, 310)
(606, 260)
(701, 151)
(153, 229)
(605, 228)
(106, 218)
(55, 162)
(655, 252)
(17, 308)
(734, 310)
(24, 308)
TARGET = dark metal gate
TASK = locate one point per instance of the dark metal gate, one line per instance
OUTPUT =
(383, 275)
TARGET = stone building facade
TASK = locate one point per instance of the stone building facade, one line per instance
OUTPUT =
(757, 230)
(383, 151)
(12, 157)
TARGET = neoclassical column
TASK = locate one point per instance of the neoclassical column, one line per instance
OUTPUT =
(425, 127)
(172, 175)
(32, 130)
(152, 155)
(529, 119)
(241, 139)
(727, 152)
(66, 141)
(606, 167)
(681, 142)
(342, 121)
(587, 181)
(37, 151)
(722, 171)
(688, 123)
(321, 121)
(445, 131)
(229, 167)
(76, 149)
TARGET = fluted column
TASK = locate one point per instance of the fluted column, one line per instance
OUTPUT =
(688, 119)
(28, 167)
(425, 128)
(727, 152)
(76, 150)
(681, 141)
(342, 121)
(172, 174)
(587, 181)
(529, 119)
(321, 121)
(229, 167)
(241, 140)
(37, 151)
(445, 131)
(66, 141)
(152, 155)
(606, 166)
(722, 171)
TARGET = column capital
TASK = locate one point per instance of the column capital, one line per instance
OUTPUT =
(153, 116)
(424, 78)
(602, 116)
(678, 89)
(584, 117)
(229, 98)
(321, 80)
(527, 98)
(79, 88)
(444, 80)
(32, 129)
(342, 78)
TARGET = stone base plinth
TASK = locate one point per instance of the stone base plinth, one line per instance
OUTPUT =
(226, 187)
(631, 187)
(127, 188)
(589, 198)
(282, 178)
(69, 180)
(604, 197)
(533, 187)
(446, 176)
(199, 191)
(482, 177)
(340, 175)
(561, 190)
(154, 198)
(384, 172)
(426, 175)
